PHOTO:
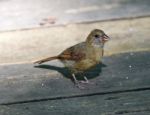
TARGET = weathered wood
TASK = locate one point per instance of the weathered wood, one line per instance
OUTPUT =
(24, 83)
(31, 45)
(32, 13)
(127, 103)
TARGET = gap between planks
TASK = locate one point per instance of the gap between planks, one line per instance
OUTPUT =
(78, 96)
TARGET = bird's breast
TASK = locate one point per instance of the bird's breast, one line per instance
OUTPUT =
(95, 54)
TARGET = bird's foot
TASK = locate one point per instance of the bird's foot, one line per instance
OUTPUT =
(85, 81)
(78, 85)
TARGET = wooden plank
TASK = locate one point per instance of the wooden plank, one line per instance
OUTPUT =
(127, 103)
(33, 12)
(30, 45)
(23, 83)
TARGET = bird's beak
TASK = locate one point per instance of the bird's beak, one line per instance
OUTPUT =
(105, 38)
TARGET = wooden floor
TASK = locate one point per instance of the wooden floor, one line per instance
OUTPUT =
(120, 85)
(17, 14)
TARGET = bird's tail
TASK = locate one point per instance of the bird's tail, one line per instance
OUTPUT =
(46, 59)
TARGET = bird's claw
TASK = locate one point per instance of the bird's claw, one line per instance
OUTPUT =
(79, 85)
(85, 82)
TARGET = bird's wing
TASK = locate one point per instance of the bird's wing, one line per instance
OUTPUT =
(75, 53)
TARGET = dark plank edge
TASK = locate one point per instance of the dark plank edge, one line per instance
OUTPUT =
(83, 95)
(128, 103)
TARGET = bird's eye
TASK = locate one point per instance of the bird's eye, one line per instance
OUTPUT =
(97, 36)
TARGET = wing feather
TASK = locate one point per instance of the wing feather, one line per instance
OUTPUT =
(75, 53)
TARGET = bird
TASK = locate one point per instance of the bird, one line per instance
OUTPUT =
(82, 56)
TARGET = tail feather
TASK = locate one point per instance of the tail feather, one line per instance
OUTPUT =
(46, 59)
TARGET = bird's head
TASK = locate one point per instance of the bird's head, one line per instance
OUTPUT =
(97, 38)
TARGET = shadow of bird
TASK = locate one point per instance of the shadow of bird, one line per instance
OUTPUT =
(90, 73)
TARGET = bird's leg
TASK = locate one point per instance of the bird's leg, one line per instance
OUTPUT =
(74, 78)
(85, 80)
(77, 82)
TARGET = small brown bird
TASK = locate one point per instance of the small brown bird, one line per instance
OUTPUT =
(82, 56)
